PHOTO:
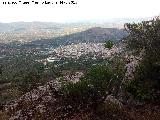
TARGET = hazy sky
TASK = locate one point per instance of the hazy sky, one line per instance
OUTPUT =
(84, 10)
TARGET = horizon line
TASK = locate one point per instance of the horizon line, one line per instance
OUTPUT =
(108, 20)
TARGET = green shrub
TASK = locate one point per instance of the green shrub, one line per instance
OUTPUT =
(145, 37)
(109, 44)
(139, 91)
(95, 83)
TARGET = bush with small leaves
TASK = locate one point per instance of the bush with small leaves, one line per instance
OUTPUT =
(109, 44)
(95, 84)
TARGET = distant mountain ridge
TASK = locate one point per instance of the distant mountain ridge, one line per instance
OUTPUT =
(30, 31)
(96, 35)
(13, 26)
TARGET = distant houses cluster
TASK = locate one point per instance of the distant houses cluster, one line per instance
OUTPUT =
(77, 50)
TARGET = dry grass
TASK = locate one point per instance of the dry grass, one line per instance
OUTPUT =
(3, 116)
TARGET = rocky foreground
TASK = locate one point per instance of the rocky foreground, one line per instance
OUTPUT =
(48, 103)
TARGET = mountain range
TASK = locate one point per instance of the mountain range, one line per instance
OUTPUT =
(32, 31)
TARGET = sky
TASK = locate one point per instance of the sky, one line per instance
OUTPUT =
(84, 10)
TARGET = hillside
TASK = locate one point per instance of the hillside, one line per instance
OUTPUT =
(96, 35)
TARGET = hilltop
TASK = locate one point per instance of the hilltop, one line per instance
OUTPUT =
(94, 35)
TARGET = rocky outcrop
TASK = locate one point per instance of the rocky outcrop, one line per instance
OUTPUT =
(44, 101)
(132, 63)
(113, 100)
(33, 102)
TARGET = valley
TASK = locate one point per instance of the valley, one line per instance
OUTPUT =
(79, 71)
